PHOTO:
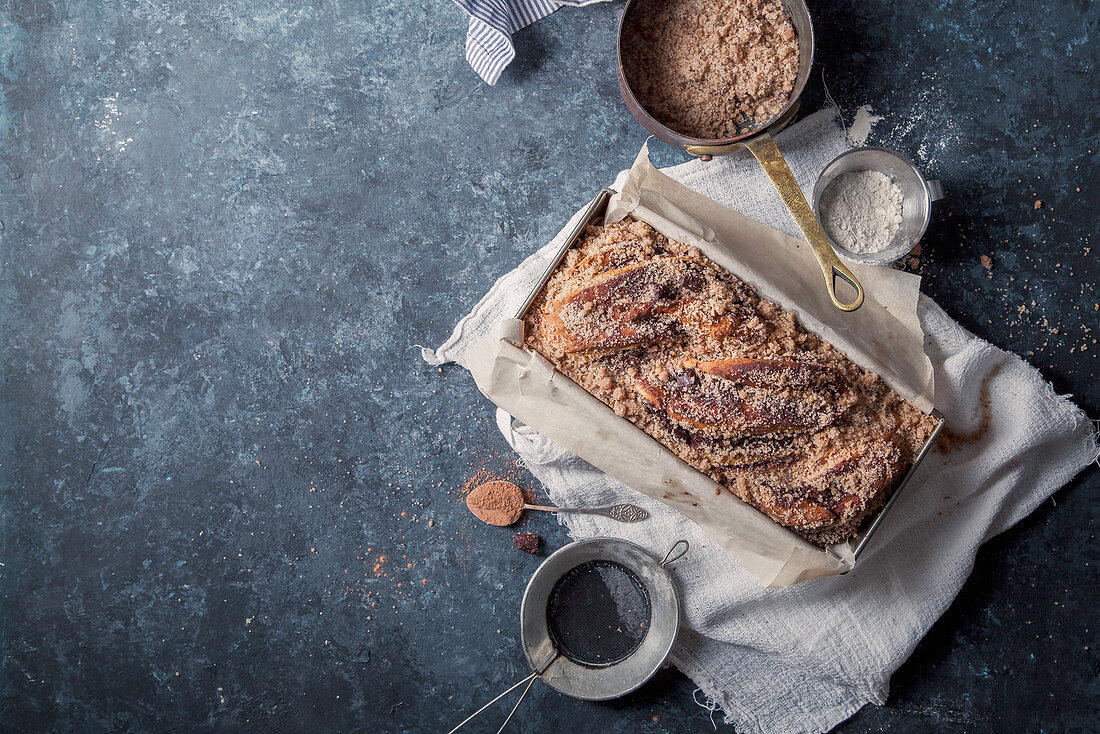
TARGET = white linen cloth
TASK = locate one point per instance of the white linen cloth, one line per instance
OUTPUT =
(806, 657)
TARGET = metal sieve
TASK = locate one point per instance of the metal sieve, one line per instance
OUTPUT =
(917, 195)
(758, 140)
(598, 614)
(597, 620)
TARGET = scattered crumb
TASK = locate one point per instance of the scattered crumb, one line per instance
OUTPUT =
(915, 252)
(527, 542)
(1038, 204)
(987, 262)
(914, 263)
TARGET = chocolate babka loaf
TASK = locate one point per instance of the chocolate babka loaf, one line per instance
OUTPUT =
(728, 381)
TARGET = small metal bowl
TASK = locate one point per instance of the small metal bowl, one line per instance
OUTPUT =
(916, 204)
(601, 683)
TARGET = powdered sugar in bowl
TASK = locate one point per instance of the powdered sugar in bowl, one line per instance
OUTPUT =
(875, 201)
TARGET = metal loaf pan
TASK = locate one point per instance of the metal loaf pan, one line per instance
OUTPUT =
(594, 214)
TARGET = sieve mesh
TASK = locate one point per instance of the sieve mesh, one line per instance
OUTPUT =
(598, 613)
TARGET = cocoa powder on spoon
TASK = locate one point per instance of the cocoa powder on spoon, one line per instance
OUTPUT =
(496, 502)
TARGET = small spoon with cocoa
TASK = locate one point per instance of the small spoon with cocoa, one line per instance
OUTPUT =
(502, 503)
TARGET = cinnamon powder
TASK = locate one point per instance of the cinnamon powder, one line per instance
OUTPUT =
(496, 502)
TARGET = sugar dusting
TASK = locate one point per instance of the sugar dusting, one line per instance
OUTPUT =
(861, 211)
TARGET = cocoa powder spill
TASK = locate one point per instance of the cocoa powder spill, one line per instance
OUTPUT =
(496, 502)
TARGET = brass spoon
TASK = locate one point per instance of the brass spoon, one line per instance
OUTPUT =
(502, 503)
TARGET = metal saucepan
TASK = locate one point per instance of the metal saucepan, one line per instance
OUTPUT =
(759, 142)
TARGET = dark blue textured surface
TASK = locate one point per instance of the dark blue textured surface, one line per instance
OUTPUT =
(226, 225)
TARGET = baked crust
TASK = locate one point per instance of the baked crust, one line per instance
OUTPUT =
(727, 380)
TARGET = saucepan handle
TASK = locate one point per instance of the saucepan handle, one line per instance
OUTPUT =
(764, 149)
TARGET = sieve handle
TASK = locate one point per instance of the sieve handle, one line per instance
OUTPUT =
(764, 149)
(622, 513)
(672, 556)
(522, 696)
(529, 680)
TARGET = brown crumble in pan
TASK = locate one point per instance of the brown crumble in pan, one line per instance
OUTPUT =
(710, 68)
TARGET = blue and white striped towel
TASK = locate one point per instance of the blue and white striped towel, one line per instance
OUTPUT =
(492, 22)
